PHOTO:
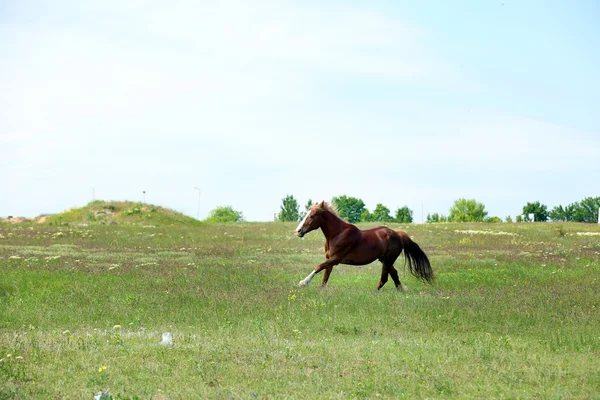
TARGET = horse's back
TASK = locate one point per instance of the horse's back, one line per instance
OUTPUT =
(376, 229)
(385, 237)
(379, 230)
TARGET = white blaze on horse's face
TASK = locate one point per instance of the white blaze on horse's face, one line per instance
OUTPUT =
(301, 224)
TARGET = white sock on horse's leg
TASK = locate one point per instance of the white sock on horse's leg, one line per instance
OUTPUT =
(306, 281)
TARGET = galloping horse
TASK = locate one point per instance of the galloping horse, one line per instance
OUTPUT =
(346, 244)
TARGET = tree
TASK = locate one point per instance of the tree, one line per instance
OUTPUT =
(404, 215)
(306, 207)
(349, 208)
(467, 210)
(435, 217)
(289, 209)
(587, 210)
(381, 213)
(366, 216)
(565, 214)
(540, 211)
(225, 214)
(493, 220)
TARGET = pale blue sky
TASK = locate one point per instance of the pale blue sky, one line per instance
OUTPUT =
(395, 102)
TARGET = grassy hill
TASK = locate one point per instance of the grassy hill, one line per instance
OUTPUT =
(121, 212)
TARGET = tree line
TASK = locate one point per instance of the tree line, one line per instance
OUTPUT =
(354, 210)
(349, 208)
(469, 210)
(585, 210)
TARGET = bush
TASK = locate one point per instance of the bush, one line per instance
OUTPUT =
(381, 214)
(349, 208)
(435, 217)
(540, 211)
(559, 213)
(134, 211)
(225, 214)
(584, 211)
(467, 210)
(587, 210)
(493, 220)
(366, 216)
(404, 215)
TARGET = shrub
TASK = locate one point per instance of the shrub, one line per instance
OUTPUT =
(467, 210)
(225, 214)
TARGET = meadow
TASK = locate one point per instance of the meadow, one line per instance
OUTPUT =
(513, 313)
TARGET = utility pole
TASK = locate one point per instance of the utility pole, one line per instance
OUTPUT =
(198, 209)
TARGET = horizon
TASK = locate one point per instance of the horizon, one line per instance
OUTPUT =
(300, 209)
(399, 103)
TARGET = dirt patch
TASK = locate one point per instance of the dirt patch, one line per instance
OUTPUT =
(21, 220)
(16, 220)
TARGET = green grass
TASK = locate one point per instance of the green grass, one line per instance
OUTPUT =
(514, 313)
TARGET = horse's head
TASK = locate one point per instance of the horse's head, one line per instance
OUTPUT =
(311, 221)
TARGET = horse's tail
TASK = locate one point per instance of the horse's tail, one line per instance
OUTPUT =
(417, 260)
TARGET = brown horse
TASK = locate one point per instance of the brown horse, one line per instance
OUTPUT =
(346, 244)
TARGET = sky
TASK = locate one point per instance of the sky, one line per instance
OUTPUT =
(394, 102)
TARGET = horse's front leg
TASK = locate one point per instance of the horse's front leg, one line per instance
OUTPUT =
(327, 266)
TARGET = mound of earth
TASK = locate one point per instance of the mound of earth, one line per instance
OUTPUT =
(16, 220)
(40, 219)
(120, 212)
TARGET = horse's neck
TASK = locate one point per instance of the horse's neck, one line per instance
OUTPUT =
(332, 225)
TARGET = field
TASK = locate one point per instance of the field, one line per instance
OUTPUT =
(513, 313)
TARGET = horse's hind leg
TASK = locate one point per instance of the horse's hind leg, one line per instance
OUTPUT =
(389, 260)
(326, 275)
(384, 276)
(399, 286)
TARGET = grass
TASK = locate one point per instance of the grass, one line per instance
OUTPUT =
(514, 313)
(121, 212)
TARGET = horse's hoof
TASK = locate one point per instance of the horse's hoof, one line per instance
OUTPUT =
(402, 288)
(302, 284)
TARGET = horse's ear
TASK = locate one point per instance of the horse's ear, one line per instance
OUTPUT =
(322, 203)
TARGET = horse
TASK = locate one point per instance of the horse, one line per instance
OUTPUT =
(347, 244)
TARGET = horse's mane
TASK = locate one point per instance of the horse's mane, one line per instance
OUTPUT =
(324, 206)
